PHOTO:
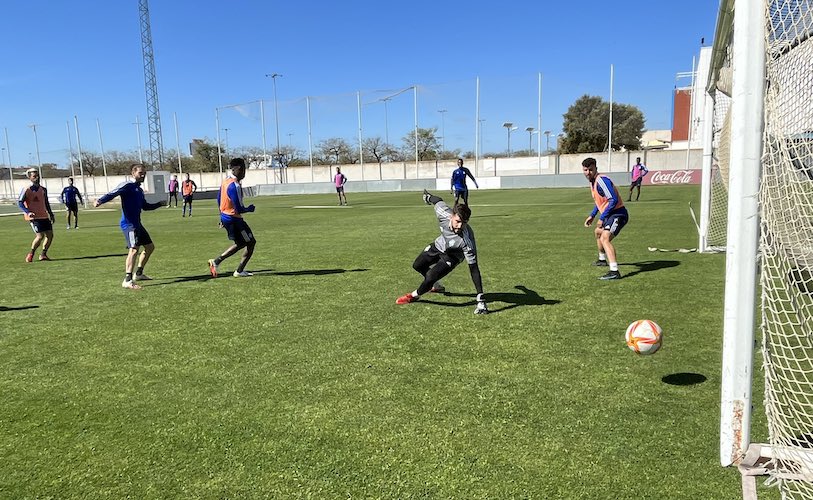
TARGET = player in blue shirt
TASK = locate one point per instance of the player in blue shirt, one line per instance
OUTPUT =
(68, 197)
(132, 203)
(230, 200)
(459, 188)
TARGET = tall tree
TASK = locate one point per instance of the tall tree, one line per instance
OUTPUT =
(428, 144)
(586, 126)
(336, 150)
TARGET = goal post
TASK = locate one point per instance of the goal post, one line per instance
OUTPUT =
(768, 134)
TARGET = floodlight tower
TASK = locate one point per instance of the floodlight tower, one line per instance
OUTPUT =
(156, 152)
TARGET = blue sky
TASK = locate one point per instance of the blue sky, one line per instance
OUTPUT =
(83, 58)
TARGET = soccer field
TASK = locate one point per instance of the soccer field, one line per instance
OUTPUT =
(307, 380)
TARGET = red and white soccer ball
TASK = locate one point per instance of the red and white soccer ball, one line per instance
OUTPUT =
(644, 337)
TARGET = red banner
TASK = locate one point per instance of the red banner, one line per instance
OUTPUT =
(661, 177)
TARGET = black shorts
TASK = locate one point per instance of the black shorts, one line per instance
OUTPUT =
(637, 182)
(239, 232)
(615, 223)
(41, 225)
(136, 236)
(72, 207)
(340, 189)
(187, 198)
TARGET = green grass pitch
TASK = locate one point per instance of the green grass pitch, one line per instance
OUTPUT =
(307, 381)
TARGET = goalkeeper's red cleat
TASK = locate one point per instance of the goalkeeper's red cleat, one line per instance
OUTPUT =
(29, 257)
(405, 299)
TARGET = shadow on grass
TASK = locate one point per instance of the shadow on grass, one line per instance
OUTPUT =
(527, 297)
(20, 308)
(649, 266)
(86, 257)
(683, 379)
(257, 272)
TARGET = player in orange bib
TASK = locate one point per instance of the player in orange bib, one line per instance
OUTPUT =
(612, 216)
(33, 201)
(188, 188)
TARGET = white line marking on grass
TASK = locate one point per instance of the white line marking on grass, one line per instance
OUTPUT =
(319, 206)
(14, 214)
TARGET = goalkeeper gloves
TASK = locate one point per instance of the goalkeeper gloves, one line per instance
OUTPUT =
(426, 196)
(481, 308)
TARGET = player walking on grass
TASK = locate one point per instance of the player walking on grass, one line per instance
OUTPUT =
(340, 179)
(459, 188)
(188, 188)
(173, 191)
(455, 243)
(132, 203)
(230, 199)
(33, 201)
(613, 217)
(68, 197)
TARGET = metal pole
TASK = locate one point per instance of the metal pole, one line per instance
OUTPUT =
(610, 139)
(79, 151)
(742, 238)
(104, 163)
(691, 117)
(310, 139)
(262, 127)
(8, 152)
(539, 127)
(219, 152)
(177, 142)
(442, 130)
(478, 127)
(361, 149)
(70, 145)
(138, 135)
(386, 123)
(415, 106)
(36, 145)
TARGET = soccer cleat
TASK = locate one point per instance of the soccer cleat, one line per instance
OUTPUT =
(29, 257)
(438, 288)
(141, 277)
(68, 228)
(600, 263)
(44, 257)
(242, 274)
(130, 284)
(612, 275)
(213, 268)
(405, 299)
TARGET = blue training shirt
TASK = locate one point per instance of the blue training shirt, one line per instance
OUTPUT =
(606, 188)
(132, 203)
(459, 178)
(69, 195)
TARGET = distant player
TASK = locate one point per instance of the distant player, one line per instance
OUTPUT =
(173, 191)
(33, 201)
(230, 199)
(188, 188)
(455, 244)
(459, 188)
(68, 197)
(135, 235)
(638, 173)
(340, 180)
(613, 216)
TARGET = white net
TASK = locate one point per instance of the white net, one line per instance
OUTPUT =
(786, 243)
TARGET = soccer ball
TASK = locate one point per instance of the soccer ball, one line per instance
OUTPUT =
(644, 336)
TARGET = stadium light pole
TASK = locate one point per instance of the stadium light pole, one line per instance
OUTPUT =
(481, 121)
(385, 100)
(442, 130)
(226, 141)
(530, 131)
(101, 147)
(509, 126)
(547, 141)
(274, 77)
(10, 191)
(70, 146)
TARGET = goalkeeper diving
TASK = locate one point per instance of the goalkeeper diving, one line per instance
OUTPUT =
(455, 244)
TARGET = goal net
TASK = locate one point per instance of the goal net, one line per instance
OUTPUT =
(786, 242)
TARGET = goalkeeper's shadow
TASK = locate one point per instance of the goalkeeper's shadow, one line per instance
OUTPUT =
(527, 297)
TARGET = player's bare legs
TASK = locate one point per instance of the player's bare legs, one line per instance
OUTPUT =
(605, 242)
(145, 256)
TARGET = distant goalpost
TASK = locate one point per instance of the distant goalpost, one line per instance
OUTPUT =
(759, 157)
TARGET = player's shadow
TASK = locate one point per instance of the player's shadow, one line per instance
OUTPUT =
(87, 257)
(649, 266)
(683, 378)
(20, 308)
(312, 272)
(527, 297)
(255, 272)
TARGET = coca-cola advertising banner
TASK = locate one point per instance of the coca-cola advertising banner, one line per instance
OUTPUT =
(660, 177)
